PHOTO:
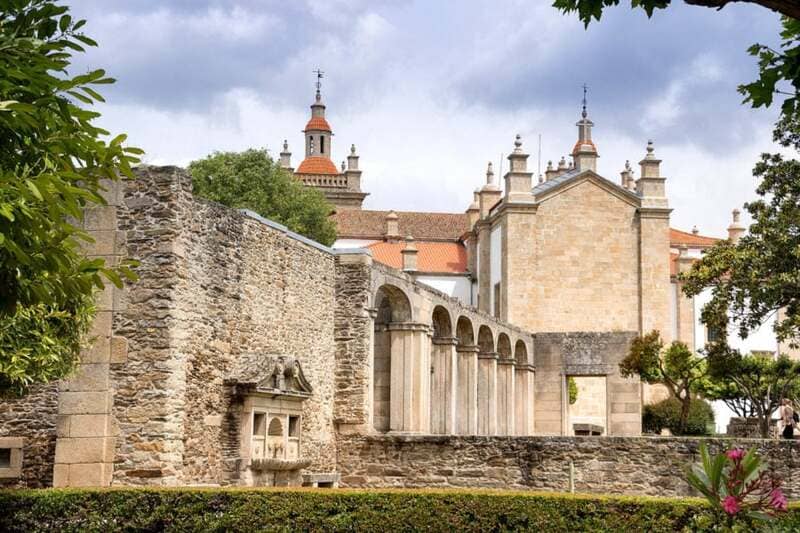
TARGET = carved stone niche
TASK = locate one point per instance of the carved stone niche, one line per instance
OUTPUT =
(271, 389)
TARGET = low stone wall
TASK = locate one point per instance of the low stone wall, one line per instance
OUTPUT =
(748, 428)
(611, 465)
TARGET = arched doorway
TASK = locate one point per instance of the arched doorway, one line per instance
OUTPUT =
(505, 386)
(393, 307)
(443, 372)
(467, 376)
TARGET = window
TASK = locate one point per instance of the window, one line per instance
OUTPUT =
(713, 335)
(10, 457)
(259, 423)
(497, 299)
(321, 144)
(294, 426)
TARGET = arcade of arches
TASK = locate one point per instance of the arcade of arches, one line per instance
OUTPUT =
(448, 370)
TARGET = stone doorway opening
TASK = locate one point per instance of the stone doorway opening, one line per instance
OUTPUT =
(586, 405)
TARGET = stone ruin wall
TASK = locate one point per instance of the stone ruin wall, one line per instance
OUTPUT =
(214, 283)
(653, 466)
(32, 417)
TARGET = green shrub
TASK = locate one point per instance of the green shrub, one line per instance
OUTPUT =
(666, 414)
(343, 510)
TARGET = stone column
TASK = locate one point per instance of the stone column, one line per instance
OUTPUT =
(467, 390)
(85, 428)
(487, 393)
(506, 386)
(523, 399)
(409, 410)
(444, 385)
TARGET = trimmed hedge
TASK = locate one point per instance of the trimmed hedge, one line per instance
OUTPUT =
(343, 510)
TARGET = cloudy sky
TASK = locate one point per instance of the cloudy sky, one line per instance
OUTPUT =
(429, 91)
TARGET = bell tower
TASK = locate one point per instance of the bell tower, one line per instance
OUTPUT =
(341, 188)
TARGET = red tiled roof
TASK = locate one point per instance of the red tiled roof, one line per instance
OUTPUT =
(678, 237)
(364, 224)
(318, 123)
(438, 257)
(317, 164)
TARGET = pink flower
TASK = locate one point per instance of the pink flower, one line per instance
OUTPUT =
(778, 500)
(735, 454)
(730, 505)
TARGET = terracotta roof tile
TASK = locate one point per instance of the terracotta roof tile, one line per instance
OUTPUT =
(316, 164)
(364, 224)
(438, 257)
(318, 123)
(678, 237)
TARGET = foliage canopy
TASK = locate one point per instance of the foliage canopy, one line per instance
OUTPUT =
(53, 159)
(252, 180)
(759, 276)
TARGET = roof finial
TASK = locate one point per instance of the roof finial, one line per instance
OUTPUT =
(353, 149)
(518, 144)
(320, 74)
(585, 88)
(489, 174)
(650, 150)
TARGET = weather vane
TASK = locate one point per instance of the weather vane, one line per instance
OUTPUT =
(585, 87)
(320, 74)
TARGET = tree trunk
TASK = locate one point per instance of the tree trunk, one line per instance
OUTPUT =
(763, 424)
(685, 403)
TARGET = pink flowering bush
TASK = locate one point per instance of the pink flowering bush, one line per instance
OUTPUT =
(737, 485)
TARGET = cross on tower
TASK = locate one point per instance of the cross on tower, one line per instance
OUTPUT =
(585, 87)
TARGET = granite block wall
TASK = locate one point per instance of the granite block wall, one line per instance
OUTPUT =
(610, 465)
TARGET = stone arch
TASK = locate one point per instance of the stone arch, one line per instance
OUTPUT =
(504, 346)
(521, 353)
(275, 427)
(485, 339)
(465, 332)
(393, 307)
(442, 324)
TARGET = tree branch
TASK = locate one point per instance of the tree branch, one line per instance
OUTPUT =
(790, 8)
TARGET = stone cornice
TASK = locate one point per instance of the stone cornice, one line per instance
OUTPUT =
(654, 212)
(513, 208)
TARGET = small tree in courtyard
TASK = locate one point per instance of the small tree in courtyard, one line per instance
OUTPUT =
(676, 367)
(760, 381)
(252, 180)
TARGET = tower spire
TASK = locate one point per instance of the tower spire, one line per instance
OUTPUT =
(585, 88)
(584, 154)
